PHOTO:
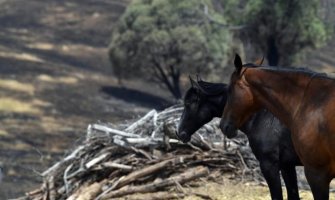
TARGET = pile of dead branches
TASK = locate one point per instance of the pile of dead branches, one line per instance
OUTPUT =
(144, 157)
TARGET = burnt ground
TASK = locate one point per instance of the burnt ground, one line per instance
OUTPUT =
(55, 80)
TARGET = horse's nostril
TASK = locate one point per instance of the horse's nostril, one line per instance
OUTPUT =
(183, 136)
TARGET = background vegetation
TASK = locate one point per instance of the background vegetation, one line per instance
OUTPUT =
(162, 40)
(282, 29)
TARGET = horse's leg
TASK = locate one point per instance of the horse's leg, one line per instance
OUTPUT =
(290, 178)
(319, 183)
(271, 174)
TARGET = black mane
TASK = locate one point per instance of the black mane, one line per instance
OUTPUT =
(206, 88)
(212, 88)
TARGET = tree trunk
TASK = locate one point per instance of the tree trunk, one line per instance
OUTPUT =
(175, 75)
(272, 52)
(171, 79)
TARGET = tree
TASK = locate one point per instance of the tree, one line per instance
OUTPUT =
(161, 39)
(280, 28)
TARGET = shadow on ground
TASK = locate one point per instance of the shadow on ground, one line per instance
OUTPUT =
(137, 97)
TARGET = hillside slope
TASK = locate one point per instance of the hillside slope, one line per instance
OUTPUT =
(55, 79)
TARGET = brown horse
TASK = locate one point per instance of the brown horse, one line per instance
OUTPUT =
(303, 100)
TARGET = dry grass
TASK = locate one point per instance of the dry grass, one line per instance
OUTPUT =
(228, 191)
(17, 86)
(18, 145)
(63, 79)
(21, 56)
(11, 105)
(41, 46)
(50, 124)
(40, 103)
(3, 133)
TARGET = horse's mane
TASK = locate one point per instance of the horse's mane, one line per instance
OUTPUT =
(279, 68)
(206, 88)
(212, 88)
(287, 69)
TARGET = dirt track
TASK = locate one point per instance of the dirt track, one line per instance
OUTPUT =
(55, 79)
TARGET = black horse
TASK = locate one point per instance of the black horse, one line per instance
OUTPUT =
(269, 140)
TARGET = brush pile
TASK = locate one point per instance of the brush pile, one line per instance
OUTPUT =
(144, 157)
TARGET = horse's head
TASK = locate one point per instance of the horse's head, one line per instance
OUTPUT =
(241, 103)
(202, 102)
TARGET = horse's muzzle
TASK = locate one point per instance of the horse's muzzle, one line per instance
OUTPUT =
(228, 129)
(183, 136)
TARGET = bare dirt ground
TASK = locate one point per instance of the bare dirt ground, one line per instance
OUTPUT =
(55, 80)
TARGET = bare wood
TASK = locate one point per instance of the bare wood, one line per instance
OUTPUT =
(142, 172)
(144, 153)
(151, 187)
(70, 157)
(65, 177)
(95, 161)
(112, 131)
(87, 193)
(166, 113)
(34, 192)
(115, 151)
(52, 193)
(46, 193)
(145, 141)
(148, 170)
(141, 121)
(117, 166)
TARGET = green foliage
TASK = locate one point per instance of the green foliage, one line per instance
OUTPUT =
(293, 25)
(172, 35)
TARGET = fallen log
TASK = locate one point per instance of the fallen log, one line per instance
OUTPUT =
(88, 192)
(190, 174)
(149, 170)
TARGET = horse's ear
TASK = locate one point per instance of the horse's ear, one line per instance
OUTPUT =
(238, 63)
(198, 78)
(259, 61)
(193, 83)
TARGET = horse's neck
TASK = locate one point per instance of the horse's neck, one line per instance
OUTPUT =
(279, 92)
(248, 126)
